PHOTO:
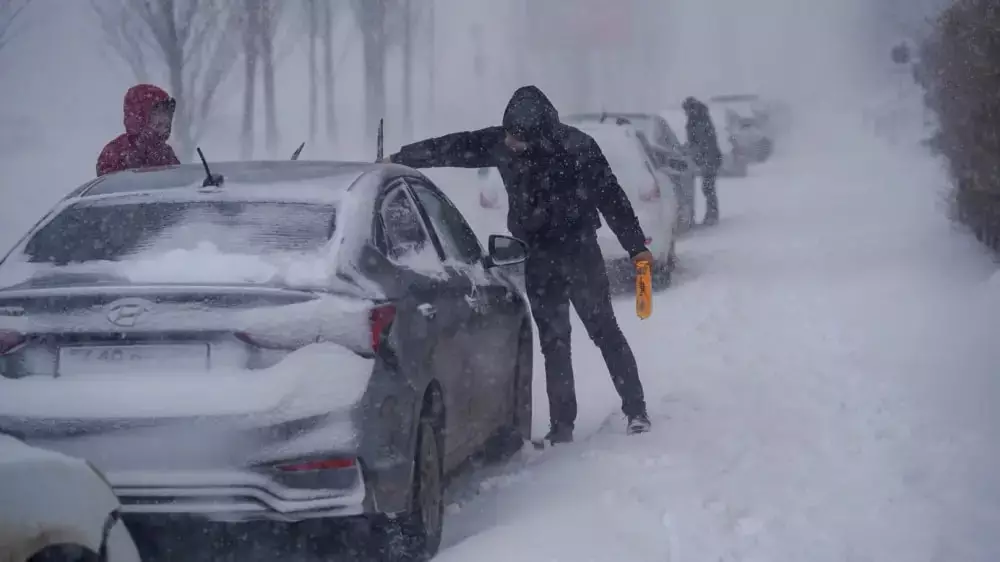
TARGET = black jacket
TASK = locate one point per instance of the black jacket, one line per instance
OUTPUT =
(701, 136)
(555, 189)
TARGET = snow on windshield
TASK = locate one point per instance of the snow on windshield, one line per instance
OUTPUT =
(181, 242)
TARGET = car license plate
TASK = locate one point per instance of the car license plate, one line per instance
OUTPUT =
(114, 359)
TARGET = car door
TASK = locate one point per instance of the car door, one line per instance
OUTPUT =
(493, 305)
(434, 310)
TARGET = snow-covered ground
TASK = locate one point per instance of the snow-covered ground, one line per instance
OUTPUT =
(821, 381)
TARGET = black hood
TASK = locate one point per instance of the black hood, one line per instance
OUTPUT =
(530, 116)
(694, 106)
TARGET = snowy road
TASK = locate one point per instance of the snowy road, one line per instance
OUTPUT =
(821, 382)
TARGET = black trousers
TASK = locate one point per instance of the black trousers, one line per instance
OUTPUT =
(574, 273)
(708, 188)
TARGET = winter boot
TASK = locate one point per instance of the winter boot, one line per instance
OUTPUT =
(639, 424)
(559, 434)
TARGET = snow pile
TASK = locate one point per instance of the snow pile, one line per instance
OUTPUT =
(821, 379)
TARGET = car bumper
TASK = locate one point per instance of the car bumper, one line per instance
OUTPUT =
(240, 496)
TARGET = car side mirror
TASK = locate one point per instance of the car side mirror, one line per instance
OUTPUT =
(505, 250)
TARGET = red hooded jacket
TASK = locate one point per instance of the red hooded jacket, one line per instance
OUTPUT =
(139, 147)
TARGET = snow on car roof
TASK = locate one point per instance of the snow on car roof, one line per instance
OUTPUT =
(296, 179)
(14, 451)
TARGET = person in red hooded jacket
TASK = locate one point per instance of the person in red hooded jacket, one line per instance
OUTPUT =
(149, 115)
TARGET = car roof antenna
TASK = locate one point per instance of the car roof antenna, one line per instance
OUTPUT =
(379, 151)
(211, 180)
(298, 151)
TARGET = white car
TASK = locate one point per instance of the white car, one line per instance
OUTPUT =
(649, 189)
(747, 121)
(56, 508)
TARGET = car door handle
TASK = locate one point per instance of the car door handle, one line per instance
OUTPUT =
(428, 310)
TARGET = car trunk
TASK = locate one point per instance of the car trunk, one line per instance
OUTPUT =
(167, 377)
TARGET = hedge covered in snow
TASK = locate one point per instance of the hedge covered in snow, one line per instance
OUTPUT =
(960, 69)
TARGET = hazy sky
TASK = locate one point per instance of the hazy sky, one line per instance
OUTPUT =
(60, 96)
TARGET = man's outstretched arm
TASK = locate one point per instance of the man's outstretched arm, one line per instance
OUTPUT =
(469, 149)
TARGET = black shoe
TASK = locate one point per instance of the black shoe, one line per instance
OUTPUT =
(559, 434)
(711, 219)
(639, 424)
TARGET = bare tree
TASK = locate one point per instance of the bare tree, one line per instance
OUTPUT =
(312, 20)
(329, 93)
(407, 15)
(372, 15)
(189, 41)
(259, 20)
(250, 22)
(9, 11)
(270, 17)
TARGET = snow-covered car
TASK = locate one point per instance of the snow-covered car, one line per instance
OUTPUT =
(56, 508)
(734, 164)
(748, 123)
(771, 115)
(665, 151)
(306, 342)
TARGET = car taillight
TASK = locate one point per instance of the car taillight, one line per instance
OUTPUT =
(10, 340)
(381, 319)
(321, 464)
(653, 195)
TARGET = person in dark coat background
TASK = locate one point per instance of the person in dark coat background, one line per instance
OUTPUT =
(705, 150)
(557, 181)
(149, 114)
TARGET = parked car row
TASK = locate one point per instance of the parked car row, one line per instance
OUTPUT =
(307, 345)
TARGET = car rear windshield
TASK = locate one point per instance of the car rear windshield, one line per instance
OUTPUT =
(105, 231)
(628, 160)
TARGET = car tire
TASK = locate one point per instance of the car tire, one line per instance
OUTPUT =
(415, 536)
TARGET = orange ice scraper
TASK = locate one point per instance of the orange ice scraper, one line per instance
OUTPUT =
(643, 290)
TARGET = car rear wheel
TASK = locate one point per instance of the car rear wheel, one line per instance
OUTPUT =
(415, 536)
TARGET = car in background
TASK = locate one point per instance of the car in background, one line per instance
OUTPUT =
(753, 122)
(306, 344)
(734, 164)
(664, 150)
(650, 191)
(773, 116)
(57, 508)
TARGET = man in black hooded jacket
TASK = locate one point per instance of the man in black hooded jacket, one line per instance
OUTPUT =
(557, 181)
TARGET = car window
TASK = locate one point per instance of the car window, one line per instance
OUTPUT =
(404, 229)
(456, 236)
